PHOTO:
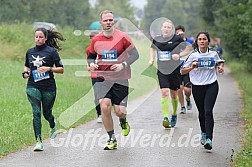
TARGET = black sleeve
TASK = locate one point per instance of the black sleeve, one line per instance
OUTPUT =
(133, 56)
(91, 58)
(153, 45)
(27, 60)
(56, 59)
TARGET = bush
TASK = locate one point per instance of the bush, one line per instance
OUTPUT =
(15, 39)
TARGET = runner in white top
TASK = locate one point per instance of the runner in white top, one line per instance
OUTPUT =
(202, 66)
(206, 72)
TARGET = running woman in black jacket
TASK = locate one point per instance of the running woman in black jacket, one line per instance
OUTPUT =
(41, 62)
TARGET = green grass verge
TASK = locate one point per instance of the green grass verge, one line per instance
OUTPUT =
(16, 116)
(244, 157)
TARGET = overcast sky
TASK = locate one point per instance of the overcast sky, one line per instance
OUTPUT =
(138, 3)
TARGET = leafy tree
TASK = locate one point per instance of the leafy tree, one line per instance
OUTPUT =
(120, 8)
(42, 10)
(232, 22)
(244, 20)
(14, 10)
(181, 12)
(62, 12)
(208, 6)
(193, 19)
(173, 10)
(152, 11)
(229, 25)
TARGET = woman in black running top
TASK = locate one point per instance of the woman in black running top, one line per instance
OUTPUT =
(41, 62)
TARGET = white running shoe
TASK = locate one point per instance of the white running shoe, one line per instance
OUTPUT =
(53, 131)
(183, 110)
(188, 104)
(99, 119)
(39, 146)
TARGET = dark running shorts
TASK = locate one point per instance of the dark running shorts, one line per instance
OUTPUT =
(185, 80)
(117, 91)
(169, 81)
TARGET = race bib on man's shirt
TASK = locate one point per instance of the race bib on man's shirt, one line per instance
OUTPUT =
(39, 76)
(164, 55)
(109, 55)
(206, 62)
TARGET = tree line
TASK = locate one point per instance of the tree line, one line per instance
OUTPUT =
(229, 20)
(77, 14)
(61, 12)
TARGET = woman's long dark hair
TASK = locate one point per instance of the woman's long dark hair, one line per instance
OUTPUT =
(52, 37)
(195, 45)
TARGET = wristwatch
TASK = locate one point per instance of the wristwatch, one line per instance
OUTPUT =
(25, 72)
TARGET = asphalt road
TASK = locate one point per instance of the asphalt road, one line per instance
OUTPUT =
(148, 144)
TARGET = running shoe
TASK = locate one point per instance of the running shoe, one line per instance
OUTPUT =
(208, 144)
(166, 123)
(39, 146)
(188, 104)
(203, 138)
(99, 119)
(125, 128)
(53, 131)
(173, 120)
(112, 144)
(182, 110)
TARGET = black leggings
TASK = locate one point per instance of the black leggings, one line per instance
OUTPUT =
(205, 97)
(96, 101)
(47, 98)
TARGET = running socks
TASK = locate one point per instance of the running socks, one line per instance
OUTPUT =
(122, 119)
(174, 106)
(111, 134)
(165, 106)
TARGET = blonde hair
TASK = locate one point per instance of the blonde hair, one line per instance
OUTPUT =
(169, 21)
(105, 12)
